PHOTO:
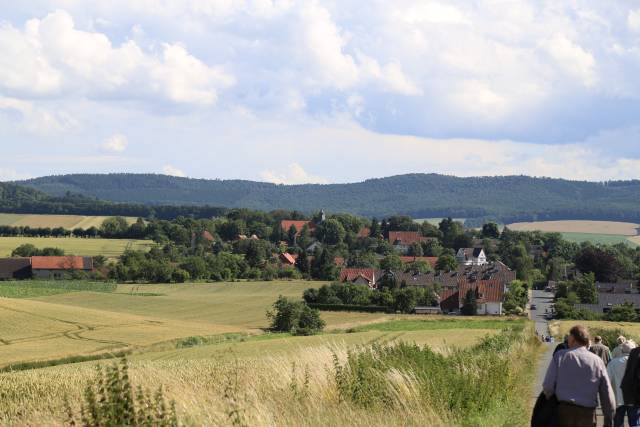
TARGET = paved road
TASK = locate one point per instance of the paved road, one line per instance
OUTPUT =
(542, 300)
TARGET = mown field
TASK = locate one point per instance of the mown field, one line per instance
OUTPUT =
(605, 232)
(75, 246)
(65, 221)
(207, 346)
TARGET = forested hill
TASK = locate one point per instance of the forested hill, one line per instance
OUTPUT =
(419, 195)
(22, 199)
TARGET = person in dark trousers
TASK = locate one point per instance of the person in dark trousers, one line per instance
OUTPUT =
(616, 370)
(630, 384)
(600, 350)
(577, 378)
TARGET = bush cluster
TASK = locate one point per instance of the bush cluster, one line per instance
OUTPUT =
(403, 299)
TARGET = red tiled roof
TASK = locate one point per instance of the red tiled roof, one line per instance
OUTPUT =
(61, 263)
(207, 236)
(432, 260)
(288, 258)
(406, 237)
(286, 224)
(351, 274)
(364, 232)
(486, 290)
(339, 261)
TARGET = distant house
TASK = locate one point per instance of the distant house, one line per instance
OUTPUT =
(431, 260)
(312, 247)
(471, 256)
(488, 281)
(55, 267)
(359, 276)
(286, 224)
(402, 240)
(364, 233)
(287, 259)
(606, 301)
(617, 288)
(15, 268)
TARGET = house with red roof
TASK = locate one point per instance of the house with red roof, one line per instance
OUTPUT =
(288, 259)
(286, 224)
(56, 267)
(359, 276)
(402, 240)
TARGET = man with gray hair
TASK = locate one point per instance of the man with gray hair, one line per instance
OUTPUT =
(578, 377)
(616, 369)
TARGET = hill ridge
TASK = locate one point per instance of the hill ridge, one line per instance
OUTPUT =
(508, 198)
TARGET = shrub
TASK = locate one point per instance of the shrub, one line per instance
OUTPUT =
(295, 317)
(110, 401)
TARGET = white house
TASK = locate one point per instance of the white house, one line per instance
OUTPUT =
(471, 256)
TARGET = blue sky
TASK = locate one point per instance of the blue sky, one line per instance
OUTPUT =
(309, 91)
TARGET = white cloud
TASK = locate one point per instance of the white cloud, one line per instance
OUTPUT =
(116, 143)
(28, 117)
(58, 57)
(173, 171)
(572, 58)
(633, 20)
(294, 174)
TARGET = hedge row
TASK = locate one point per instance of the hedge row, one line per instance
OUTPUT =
(351, 307)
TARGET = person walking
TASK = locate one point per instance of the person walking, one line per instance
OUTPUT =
(616, 369)
(600, 350)
(577, 377)
(564, 345)
(617, 352)
(630, 384)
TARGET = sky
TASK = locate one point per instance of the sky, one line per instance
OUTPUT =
(320, 91)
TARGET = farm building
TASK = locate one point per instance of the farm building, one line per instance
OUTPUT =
(15, 268)
(606, 301)
(55, 267)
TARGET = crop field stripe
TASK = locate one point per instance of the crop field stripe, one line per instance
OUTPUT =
(75, 246)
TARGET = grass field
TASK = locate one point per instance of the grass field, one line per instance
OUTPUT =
(560, 328)
(604, 232)
(198, 340)
(66, 221)
(75, 246)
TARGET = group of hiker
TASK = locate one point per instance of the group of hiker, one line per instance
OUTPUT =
(582, 371)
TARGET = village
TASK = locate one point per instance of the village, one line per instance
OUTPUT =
(385, 257)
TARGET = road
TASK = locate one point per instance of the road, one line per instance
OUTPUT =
(543, 301)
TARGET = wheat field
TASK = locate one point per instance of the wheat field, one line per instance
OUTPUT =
(76, 246)
(52, 221)
(194, 340)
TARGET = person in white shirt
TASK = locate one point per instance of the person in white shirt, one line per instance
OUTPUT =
(617, 352)
(616, 369)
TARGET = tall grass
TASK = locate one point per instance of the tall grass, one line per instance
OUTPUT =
(374, 385)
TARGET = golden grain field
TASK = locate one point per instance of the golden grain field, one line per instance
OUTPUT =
(591, 227)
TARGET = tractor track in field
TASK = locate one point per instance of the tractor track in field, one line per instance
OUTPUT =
(73, 334)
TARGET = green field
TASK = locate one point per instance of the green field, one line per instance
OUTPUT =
(76, 246)
(606, 239)
(52, 221)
